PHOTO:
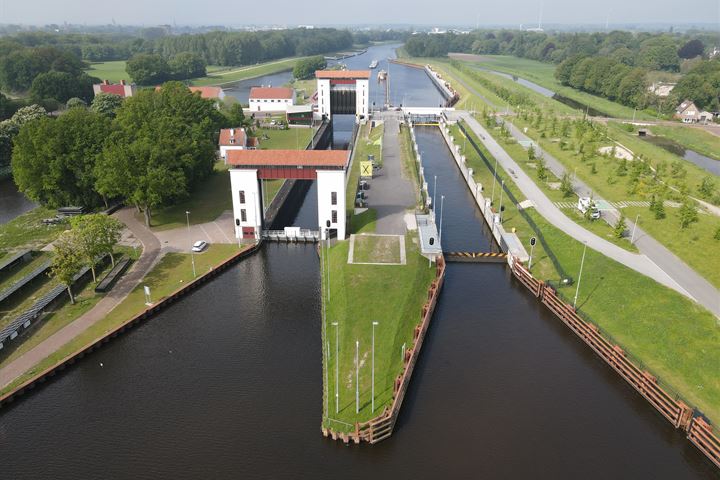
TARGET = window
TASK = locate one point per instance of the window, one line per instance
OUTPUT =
(333, 198)
(243, 215)
(242, 196)
(334, 216)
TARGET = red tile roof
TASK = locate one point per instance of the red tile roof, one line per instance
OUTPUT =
(240, 137)
(207, 92)
(116, 89)
(288, 158)
(354, 74)
(271, 92)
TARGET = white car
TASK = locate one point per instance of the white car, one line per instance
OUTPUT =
(199, 246)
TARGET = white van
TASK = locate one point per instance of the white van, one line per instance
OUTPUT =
(585, 204)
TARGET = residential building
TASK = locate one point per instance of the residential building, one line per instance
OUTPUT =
(688, 112)
(271, 99)
(661, 89)
(121, 89)
(235, 139)
(210, 93)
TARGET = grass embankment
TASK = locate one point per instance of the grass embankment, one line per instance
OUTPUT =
(243, 73)
(544, 75)
(28, 232)
(672, 336)
(369, 142)
(304, 90)
(114, 71)
(171, 273)
(692, 138)
(64, 313)
(391, 295)
(289, 139)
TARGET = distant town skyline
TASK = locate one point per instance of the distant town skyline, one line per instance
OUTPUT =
(285, 12)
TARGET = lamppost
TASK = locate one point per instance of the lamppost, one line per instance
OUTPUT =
(632, 237)
(442, 202)
(337, 366)
(374, 324)
(327, 386)
(357, 377)
(192, 253)
(502, 189)
(577, 290)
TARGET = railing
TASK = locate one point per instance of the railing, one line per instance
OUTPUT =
(283, 236)
(677, 412)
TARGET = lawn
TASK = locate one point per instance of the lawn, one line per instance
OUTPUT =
(692, 138)
(369, 143)
(10, 276)
(304, 90)
(672, 336)
(370, 248)
(206, 203)
(243, 73)
(391, 295)
(289, 139)
(28, 232)
(410, 164)
(113, 71)
(173, 271)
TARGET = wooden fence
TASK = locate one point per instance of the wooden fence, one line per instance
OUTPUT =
(677, 412)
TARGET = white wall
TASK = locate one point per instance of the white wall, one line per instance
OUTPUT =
(362, 98)
(323, 87)
(331, 181)
(271, 105)
(224, 149)
(247, 181)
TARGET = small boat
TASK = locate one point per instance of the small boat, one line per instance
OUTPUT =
(373, 64)
(382, 75)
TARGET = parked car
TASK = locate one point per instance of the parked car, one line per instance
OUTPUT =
(199, 246)
(585, 204)
(364, 185)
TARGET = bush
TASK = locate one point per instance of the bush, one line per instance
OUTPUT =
(620, 227)
(306, 68)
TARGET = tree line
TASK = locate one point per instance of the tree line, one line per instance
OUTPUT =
(150, 150)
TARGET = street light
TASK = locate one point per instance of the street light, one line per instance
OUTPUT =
(632, 237)
(192, 253)
(442, 202)
(357, 377)
(337, 366)
(502, 189)
(582, 263)
(327, 386)
(374, 324)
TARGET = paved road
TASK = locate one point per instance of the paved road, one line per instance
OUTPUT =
(655, 261)
(390, 193)
(220, 230)
(147, 260)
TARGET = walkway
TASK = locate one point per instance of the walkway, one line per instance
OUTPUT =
(150, 254)
(655, 261)
(220, 230)
(390, 193)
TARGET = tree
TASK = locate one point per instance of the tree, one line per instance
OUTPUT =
(67, 260)
(688, 213)
(717, 234)
(148, 69)
(164, 144)
(61, 86)
(97, 235)
(306, 68)
(106, 104)
(187, 65)
(531, 152)
(706, 189)
(542, 173)
(620, 227)
(657, 207)
(566, 186)
(691, 49)
(54, 159)
(236, 116)
(75, 102)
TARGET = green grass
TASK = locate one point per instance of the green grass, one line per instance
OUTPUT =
(290, 139)
(692, 138)
(544, 75)
(376, 249)
(304, 90)
(173, 271)
(113, 71)
(28, 232)
(369, 142)
(9, 277)
(243, 73)
(361, 294)
(672, 336)
(365, 222)
(410, 165)
(206, 203)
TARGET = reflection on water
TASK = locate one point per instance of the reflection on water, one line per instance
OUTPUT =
(709, 164)
(12, 202)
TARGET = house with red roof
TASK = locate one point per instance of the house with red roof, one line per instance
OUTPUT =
(271, 99)
(208, 93)
(121, 89)
(235, 139)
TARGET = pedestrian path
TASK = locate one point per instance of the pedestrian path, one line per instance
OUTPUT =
(618, 205)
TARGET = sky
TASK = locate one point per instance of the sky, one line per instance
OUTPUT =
(293, 12)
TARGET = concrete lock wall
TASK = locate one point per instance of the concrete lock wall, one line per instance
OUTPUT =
(362, 98)
(331, 182)
(246, 181)
(323, 86)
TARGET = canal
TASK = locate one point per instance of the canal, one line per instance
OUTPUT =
(227, 383)
(706, 163)
(12, 202)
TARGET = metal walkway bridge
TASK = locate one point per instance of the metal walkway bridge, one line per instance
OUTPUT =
(291, 236)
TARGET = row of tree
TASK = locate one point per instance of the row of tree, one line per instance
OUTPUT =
(306, 67)
(151, 68)
(154, 150)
